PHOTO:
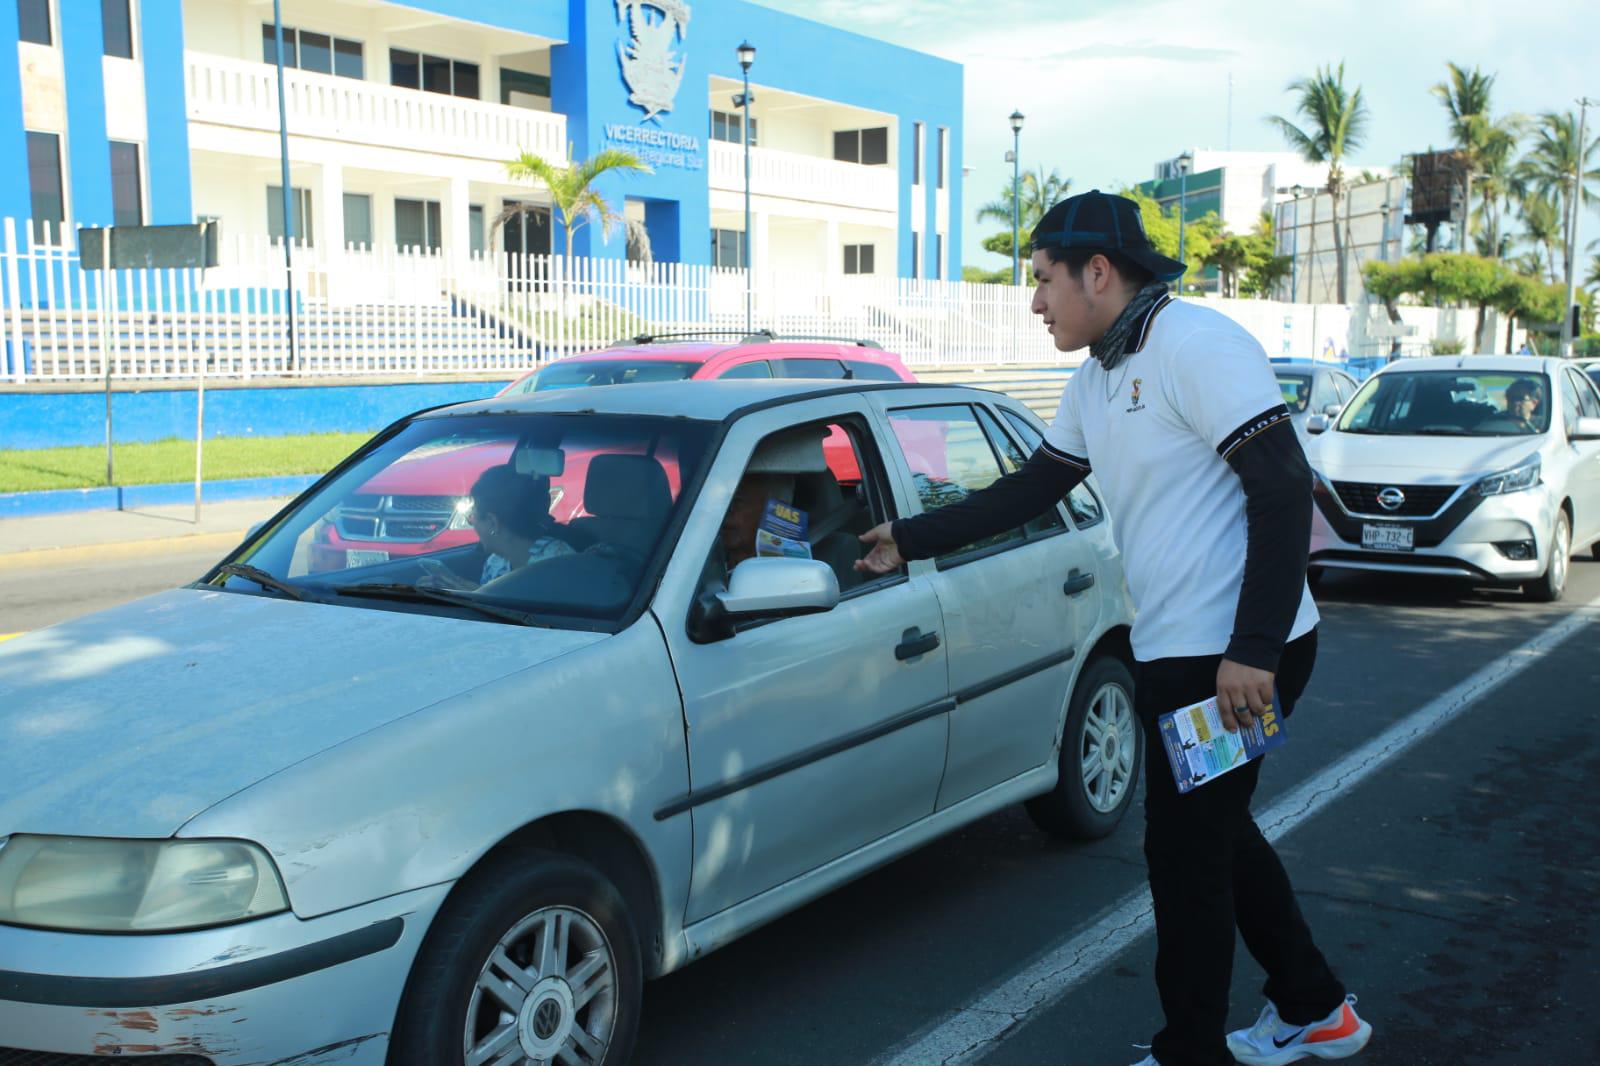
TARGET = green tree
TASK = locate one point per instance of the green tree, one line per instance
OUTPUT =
(1335, 125)
(1486, 145)
(1263, 268)
(1528, 299)
(1553, 161)
(980, 276)
(1161, 227)
(1037, 193)
(1541, 228)
(1390, 281)
(572, 187)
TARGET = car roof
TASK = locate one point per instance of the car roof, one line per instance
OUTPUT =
(705, 351)
(1510, 364)
(706, 400)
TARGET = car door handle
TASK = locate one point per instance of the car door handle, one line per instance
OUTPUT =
(914, 642)
(1077, 582)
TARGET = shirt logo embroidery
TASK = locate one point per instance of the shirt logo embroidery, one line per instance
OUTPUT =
(1133, 396)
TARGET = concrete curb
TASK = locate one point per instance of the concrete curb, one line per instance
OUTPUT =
(130, 497)
(46, 558)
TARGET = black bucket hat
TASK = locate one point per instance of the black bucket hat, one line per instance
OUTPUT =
(1096, 221)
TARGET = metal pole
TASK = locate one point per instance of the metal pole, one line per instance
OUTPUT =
(107, 288)
(1183, 207)
(200, 388)
(283, 153)
(749, 247)
(1016, 207)
(1575, 205)
(1294, 255)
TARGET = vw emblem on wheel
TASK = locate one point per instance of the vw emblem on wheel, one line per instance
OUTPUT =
(546, 1019)
(1391, 499)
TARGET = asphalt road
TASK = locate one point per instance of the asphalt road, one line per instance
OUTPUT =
(1453, 890)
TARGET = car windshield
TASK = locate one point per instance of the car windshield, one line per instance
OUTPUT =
(1453, 403)
(581, 373)
(1296, 390)
(549, 519)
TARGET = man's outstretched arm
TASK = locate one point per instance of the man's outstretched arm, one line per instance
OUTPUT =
(1008, 503)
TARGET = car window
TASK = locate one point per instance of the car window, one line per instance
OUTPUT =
(1296, 390)
(582, 373)
(1082, 503)
(1571, 407)
(562, 516)
(758, 368)
(811, 368)
(950, 458)
(1594, 375)
(1450, 403)
(861, 370)
(1345, 387)
(1588, 399)
(1323, 395)
(1011, 459)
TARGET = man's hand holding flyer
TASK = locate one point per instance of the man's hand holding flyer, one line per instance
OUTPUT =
(1199, 749)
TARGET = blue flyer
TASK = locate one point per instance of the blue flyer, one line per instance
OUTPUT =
(782, 532)
(1199, 749)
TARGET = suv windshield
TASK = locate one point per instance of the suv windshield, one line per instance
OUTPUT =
(548, 519)
(1451, 403)
(581, 373)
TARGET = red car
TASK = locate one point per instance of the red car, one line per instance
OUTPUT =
(419, 505)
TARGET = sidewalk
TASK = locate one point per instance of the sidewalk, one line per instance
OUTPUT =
(47, 539)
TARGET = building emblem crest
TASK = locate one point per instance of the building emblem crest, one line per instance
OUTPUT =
(649, 66)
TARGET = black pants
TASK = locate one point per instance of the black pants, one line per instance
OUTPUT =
(1212, 871)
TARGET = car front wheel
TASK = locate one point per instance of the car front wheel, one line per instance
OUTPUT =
(533, 961)
(1102, 748)
(1549, 587)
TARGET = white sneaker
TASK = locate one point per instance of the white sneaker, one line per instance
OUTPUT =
(1274, 1042)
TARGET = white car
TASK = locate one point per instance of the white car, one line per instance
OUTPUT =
(428, 810)
(1480, 467)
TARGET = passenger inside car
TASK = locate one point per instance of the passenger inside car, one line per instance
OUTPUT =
(510, 513)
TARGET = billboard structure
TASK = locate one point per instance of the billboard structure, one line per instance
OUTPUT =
(1436, 179)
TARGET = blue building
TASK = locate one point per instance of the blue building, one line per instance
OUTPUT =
(402, 114)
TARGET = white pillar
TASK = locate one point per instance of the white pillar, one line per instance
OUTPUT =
(832, 255)
(456, 239)
(328, 225)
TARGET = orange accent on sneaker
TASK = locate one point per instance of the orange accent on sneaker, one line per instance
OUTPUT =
(1348, 1023)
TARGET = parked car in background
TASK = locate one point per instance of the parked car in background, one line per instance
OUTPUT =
(1478, 467)
(1590, 367)
(1310, 387)
(416, 507)
(348, 813)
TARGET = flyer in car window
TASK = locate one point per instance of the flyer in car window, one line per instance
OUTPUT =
(1200, 750)
(782, 532)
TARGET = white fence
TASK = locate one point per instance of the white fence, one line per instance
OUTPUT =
(420, 313)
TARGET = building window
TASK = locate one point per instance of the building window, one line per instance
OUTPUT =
(916, 153)
(434, 74)
(729, 126)
(358, 219)
(868, 147)
(944, 152)
(301, 199)
(475, 229)
(938, 256)
(116, 28)
(858, 258)
(127, 189)
(727, 248)
(317, 52)
(417, 224)
(516, 83)
(33, 21)
(44, 183)
(916, 254)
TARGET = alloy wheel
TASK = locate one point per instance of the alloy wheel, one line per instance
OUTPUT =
(1108, 748)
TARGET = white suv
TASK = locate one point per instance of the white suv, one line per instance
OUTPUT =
(1484, 467)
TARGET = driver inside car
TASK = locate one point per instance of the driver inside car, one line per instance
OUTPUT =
(511, 514)
(1523, 398)
(737, 535)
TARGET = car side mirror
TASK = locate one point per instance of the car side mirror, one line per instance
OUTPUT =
(1585, 429)
(771, 587)
(1332, 410)
(1318, 424)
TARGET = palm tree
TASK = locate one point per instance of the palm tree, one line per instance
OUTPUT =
(1336, 123)
(1485, 143)
(1551, 164)
(1541, 228)
(1037, 193)
(571, 186)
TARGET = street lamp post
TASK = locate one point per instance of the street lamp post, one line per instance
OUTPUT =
(1383, 240)
(1575, 204)
(1185, 161)
(1294, 248)
(1016, 198)
(747, 56)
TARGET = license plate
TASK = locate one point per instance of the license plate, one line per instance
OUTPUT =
(1388, 538)
(354, 558)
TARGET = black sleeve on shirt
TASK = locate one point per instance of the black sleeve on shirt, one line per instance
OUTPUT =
(1267, 456)
(1010, 502)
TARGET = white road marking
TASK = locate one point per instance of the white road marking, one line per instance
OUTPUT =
(968, 1033)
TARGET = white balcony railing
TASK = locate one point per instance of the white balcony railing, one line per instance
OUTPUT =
(237, 92)
(803, 177)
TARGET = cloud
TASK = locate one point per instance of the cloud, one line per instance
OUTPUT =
(1171, 53)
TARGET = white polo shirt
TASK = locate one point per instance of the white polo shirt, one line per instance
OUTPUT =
(1156, 431)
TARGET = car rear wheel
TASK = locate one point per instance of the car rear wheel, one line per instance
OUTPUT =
(534, 960)
(1549, 587)
(1102, 749)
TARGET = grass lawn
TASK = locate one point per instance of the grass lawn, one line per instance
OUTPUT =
(173, 460)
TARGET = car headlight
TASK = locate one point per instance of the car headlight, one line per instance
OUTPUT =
(1525, 475)
(86, 884)
(458, 514)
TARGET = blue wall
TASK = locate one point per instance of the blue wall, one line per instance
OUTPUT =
(167, 150)
(59, 420)
(88, 149)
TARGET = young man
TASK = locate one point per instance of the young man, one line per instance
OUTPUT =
(1179, 414)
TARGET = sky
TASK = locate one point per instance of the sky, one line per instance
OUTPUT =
(1110, 88)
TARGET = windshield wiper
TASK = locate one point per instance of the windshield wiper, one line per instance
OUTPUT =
(394, 590)
(262, 578)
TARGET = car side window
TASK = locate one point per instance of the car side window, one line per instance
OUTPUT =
(950, 458)
(811, 368)
(1345, 387)
(1323, 393)
(1011, 459)
(1571, 408)
(1588, 400)
(861, 370)
(1082, 503)
(758, 368)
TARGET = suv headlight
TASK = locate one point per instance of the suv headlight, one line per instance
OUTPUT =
(86, 884)
(458, 513)
(1525, 475)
